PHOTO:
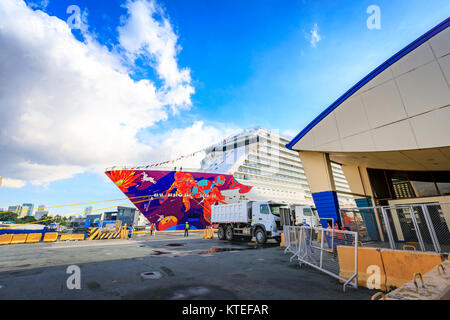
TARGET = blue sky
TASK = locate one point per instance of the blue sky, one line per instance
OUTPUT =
(251, 63)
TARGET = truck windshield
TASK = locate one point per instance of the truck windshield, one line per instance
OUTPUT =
(275, 208)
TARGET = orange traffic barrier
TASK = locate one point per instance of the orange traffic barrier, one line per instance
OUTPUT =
(71, 237)
(65, 237)
(282, 244)
(34, 237)
(208, 234)
(19, 238)
(400, 266)
(433, 285)
(50, 237)
(5, 238)
(369, 263)
(124, 233)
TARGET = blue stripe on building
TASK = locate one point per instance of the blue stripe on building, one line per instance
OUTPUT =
(327, 206)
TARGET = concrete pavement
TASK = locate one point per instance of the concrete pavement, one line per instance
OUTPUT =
(190, 268)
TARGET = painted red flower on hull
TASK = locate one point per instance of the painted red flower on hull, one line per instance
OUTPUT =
(167, 222)
(123, 179)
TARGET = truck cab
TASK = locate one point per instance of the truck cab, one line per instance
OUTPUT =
(305, 213)
(266, 215)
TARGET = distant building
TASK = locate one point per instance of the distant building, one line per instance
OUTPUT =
(27, 210)
(87, 211)
(15, 209)
(127, 215)
(40, 212)
(77, 221)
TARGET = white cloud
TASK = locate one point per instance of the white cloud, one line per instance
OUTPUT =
(39, 4)
(68, 106)
(183, 141)
(147, 33)
(289, 133)
(12, 183)
(178, 142)
(314, 36)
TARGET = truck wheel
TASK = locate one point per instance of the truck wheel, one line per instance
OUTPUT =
(260, 236)
(221, 233)
(229, 233)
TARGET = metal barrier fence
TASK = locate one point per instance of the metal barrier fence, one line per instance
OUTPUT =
(317, 247)
(422, 227)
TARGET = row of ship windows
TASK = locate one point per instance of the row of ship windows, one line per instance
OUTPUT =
(294, 183)
(282, 154)
(274, 175)
(268, 172)
(277, 190)
(289, 163)
(286, 170)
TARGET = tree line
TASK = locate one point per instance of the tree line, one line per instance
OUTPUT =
(12, 216)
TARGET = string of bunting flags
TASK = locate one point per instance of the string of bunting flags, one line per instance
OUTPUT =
(174, 160)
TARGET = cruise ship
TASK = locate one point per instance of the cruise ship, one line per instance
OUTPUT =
(252, 165)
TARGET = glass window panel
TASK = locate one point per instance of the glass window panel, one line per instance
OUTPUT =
(378, 181)
(264, 209)
(443, 182)
(423, 184)
(400, 184)
(444, 188)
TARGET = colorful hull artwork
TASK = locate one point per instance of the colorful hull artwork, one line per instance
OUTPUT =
(170, 198)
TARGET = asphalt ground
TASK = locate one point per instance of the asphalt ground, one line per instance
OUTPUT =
(188, 268)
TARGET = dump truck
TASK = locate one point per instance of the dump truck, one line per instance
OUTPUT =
(247, 219)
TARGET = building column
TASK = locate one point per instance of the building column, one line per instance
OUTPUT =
(359, 183)
(318, 172)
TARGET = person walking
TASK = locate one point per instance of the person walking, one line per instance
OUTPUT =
(330, 235)
(186, 229)
(332, 238)
(130, 231)
(152, 227)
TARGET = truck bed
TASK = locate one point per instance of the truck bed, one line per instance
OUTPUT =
(230, 213)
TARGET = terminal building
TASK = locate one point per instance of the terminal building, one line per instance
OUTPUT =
(390, 132)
